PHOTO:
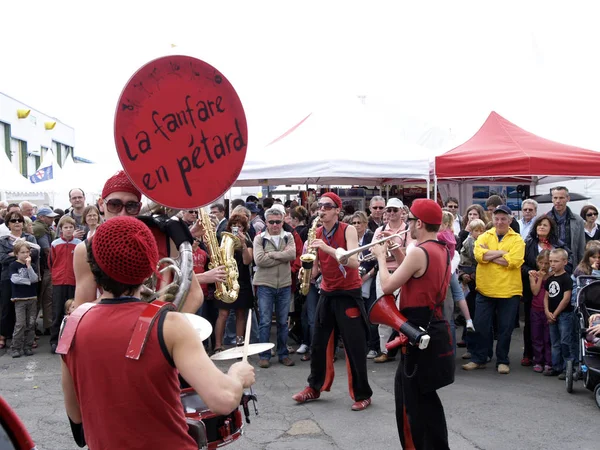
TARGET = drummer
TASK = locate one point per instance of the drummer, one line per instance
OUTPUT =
(122, 402)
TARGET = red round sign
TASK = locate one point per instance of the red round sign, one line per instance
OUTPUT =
(180, 132)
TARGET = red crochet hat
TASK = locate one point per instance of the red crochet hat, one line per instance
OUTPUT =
(120, 183)
(336, 199)
(125, 249)
(427, 210)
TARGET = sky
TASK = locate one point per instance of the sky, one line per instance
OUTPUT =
(447, 63)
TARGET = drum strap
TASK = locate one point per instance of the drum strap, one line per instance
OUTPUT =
(143, 326)
(72, 322)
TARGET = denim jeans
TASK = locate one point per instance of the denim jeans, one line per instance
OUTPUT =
(506, 309)
(230, 333)
(561, 334)
(308, 314)
(280, 297)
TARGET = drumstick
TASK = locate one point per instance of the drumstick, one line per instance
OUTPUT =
(247, 336)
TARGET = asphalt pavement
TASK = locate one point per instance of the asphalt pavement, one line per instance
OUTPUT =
(484, 410)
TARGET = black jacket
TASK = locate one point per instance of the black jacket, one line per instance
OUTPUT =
(530, 263)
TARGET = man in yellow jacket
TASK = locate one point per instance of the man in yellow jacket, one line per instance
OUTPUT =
(499, 253)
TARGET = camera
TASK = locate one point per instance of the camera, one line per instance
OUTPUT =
(234, 230)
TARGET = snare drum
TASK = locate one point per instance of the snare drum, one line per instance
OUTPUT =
(210, 430)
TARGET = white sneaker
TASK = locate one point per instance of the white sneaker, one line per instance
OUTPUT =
(470, 326)
(372, 354)
(302, 349)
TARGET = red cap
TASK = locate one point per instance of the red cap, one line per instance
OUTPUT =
(427, 210)
(336, 199)
(120, 183)
(125, 249)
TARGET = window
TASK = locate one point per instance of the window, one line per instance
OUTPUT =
(18, 155)
(5, 138)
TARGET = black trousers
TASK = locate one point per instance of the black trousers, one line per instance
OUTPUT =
(420, 416)
(60, 295)
(8, 318)
(345, 312)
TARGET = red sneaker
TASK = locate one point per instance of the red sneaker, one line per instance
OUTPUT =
(360, 405)
(307, 394)
(526, 362)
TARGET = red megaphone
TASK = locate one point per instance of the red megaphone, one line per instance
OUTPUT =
(385, 312)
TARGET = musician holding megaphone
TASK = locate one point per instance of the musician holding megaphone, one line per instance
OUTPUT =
(426, 365)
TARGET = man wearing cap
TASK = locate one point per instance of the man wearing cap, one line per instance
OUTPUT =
(340, 306)
(44, 235)
(120, 198)
(499, 253)
(424, 276)
(255, 220)
(395, 225)
(120, 402)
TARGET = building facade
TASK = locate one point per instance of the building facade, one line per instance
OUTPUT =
(27, 134)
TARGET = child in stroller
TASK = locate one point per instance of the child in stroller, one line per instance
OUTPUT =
(588, 315)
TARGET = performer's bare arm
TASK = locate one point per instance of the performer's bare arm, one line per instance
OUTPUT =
(351, 243)
(414, 265)
(71, 403)
(85, 285)
(221, 392)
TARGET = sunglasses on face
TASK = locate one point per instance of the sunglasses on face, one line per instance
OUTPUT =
(275, 222)
(192, 212)
(377, 207)
(590, 214)
(115, 206)
(527, 209)
(452, 206)
(326, 206)
(356, 223)
(411, 218)
(392, 210)
(16, 221)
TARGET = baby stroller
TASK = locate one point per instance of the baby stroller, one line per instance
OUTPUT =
(588, 370)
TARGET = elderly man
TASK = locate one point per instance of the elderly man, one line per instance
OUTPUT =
(42, 230)
(377, 206)
(3, 207)
(570, 226)
(499, 253)
(189, 216)
(529, 208)
(77, 199)
(27, 209)
(274, 250)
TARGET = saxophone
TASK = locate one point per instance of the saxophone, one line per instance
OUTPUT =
(308, 259)
(222, 255)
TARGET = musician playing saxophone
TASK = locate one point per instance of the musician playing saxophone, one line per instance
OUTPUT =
(122, 402)
(340, 305)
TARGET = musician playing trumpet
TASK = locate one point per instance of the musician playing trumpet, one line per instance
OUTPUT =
(124, 402)
(340, 305)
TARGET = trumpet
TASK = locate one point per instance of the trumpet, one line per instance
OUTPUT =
(342, 255)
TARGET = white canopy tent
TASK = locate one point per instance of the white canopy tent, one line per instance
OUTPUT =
(338, 145)
(15, 187)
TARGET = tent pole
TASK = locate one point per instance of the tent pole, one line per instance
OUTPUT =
(428, 188)
(435, 187)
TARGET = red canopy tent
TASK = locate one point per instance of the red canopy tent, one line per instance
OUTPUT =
(502, 152)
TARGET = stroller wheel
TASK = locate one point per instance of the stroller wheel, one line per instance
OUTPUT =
(597, 395)
(569, 376)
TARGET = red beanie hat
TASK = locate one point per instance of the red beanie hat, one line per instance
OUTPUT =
(336, 199)
(125, 249)
(120, 183)
(427, 210)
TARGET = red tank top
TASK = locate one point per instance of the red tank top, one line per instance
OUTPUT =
(333, 276)
(430, 288)
(125, 403)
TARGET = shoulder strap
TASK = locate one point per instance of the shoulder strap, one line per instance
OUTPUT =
(70, 327)
(143, 326)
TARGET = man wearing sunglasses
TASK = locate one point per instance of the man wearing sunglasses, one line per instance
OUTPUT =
(424, 276)
(570, 226)
(274, 250)
(121, 198)
(394, 225)
(340, 306)
(377, 207)
(189, 217)
(529, 208)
